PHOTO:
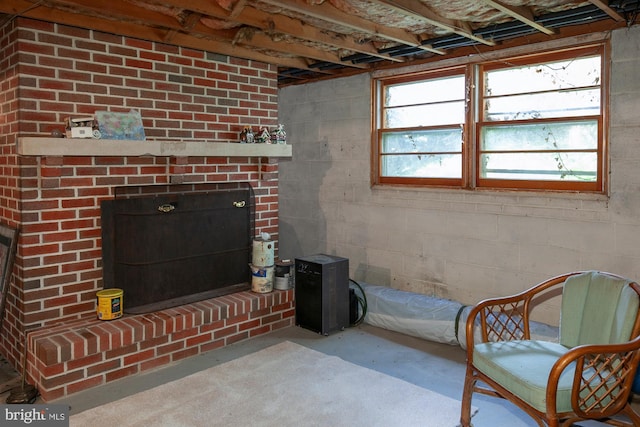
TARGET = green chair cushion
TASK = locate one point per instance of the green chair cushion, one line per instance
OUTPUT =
(596, 309)
(523, 368)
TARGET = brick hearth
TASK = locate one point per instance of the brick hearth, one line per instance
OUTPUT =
(77, 355)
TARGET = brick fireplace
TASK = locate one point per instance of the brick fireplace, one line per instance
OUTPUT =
(52, 194)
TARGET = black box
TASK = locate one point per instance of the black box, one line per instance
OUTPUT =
(322, 293)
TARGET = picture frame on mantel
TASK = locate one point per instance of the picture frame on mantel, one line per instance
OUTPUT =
(8, 246)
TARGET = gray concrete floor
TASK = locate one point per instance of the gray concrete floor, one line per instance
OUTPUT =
(435, 366)
(9, 379)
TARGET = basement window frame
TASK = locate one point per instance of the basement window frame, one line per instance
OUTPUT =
(476, 122)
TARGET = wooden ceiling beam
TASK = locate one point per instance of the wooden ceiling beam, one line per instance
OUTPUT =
(123, 12)
(301, 34)
(275, 23)
(604, 6)
(237, 8)
(420, 11)
(264, 41)
(17, 8)
(189, 23)
(326, 12)
(521, 14)
(118, 10)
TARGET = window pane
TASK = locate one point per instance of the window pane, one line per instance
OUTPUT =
(425, 115)
(431, 141)
(425, 91)
(582, 135)
(422, 165)
(558, 166)
(530, 122)
(550, 76)
(584, 102)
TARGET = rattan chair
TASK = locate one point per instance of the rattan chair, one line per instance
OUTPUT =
(587, 374)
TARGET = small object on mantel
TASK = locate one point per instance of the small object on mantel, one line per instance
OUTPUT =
(80, 127)
(279, 135)
(264, 137)
(250, 135)
(247, 136)
(123, 126)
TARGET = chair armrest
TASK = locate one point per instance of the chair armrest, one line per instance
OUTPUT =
(602, 379)
(506, 318)
(499, 319)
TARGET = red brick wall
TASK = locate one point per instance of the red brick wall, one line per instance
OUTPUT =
(9, 175)
(182, 94)
(73, 356)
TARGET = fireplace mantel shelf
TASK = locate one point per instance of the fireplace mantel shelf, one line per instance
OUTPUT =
(42, 146)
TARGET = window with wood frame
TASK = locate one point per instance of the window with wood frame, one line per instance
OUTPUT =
(533, 122)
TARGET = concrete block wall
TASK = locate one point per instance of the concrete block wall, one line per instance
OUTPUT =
(462, 245)
(52, 71)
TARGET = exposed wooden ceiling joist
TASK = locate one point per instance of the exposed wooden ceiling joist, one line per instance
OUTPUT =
(608, 10)
(145, 32)
(277, 24)
(313, 38)
(418, 9)
(324, 11)
(520, 13)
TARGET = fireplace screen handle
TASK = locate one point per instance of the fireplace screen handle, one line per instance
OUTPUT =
(165, 208)
(239, 204)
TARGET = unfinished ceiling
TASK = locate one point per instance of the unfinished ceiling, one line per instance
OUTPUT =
(311, 39)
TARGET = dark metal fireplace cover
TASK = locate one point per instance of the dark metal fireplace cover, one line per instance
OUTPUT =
(169, 245)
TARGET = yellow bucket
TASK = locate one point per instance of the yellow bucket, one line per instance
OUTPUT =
(109, 304)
